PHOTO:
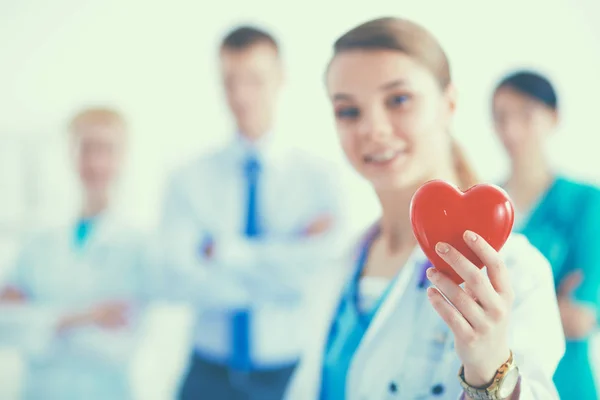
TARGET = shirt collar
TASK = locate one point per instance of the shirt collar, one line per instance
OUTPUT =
(267, 149)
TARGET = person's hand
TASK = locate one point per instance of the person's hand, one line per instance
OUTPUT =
(578, 320)
(319, 225)
(208, 248)
(110, 315)
(480, 316)
(12, 295)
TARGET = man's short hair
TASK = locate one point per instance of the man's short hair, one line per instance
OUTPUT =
(244, 37)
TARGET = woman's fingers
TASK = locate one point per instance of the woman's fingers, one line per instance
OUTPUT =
(475, 280)
(455, 320)
(496, 270)
(461, 300)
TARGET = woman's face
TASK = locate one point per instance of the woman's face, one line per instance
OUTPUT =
(98, 151)
(392, 117)
(522, 123)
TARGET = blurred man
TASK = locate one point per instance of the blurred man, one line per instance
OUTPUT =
(249, 226)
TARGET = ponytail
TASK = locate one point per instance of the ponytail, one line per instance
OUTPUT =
(464, 171)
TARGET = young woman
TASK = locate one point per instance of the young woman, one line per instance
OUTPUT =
(389, 332)
(81, 282)
(559, 216)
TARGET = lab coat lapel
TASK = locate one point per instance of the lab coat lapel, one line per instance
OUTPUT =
(400, 286)
(64, 251)
(97, 250)
(102, 232)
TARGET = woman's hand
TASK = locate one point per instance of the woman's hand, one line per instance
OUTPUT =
(578, 320)
(318, 226)
(480, 316)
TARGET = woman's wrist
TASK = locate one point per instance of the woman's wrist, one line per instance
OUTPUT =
(482, 374)
(478, 377)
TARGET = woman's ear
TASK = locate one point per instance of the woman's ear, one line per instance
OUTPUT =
(451, 95)
(555, 118)
(449, 104)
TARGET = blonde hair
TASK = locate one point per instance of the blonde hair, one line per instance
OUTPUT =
(464, 171)
(97, 116)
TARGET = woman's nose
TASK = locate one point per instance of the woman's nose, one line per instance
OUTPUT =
(376, 125)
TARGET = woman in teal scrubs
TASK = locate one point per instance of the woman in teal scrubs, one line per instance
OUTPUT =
(560, 216)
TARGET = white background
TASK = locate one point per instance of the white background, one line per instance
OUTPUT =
(156, 60)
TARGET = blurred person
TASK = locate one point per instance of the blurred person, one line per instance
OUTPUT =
(400, 328)
(80, 286)
(560, 216)
(257, 221)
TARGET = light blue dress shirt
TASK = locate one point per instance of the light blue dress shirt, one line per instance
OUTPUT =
(207, 202)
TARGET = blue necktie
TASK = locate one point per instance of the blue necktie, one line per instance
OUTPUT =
(252, 171)
(241, 319)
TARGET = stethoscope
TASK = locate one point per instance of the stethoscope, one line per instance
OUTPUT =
(352, 290)
(423, 283)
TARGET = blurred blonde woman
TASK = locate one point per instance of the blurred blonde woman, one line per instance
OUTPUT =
(86, 278)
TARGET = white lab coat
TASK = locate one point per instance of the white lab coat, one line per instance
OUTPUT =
(87, 362)
(402, 346)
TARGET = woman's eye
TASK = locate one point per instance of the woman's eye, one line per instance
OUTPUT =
(399, 100)
(349, 112)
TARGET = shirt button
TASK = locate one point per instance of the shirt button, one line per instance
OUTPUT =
(393, 387)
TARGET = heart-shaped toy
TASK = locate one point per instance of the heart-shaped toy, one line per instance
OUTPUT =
(440, 212)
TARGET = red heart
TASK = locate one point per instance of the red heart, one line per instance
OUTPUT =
(440, 212)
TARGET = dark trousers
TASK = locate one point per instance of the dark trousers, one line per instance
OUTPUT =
(208, 381)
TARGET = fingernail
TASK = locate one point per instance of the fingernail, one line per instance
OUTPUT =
(470, 236)
(430, 272)
(430, 292)
(442, 248)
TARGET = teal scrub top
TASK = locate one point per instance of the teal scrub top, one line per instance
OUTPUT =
(347, 331)
(565, 228)
(349, 327)
(82, 232)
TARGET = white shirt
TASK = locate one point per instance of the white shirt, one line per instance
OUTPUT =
(409, 347)
(269, 275)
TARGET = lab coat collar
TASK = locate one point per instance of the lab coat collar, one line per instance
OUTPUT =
(408, 275)
(417, 255)
(105, 226)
